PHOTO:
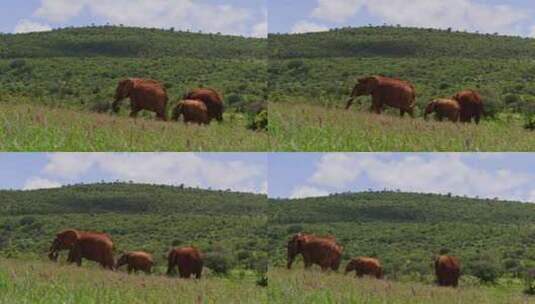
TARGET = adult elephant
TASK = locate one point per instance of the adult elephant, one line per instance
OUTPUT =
(447, 270)
(189, 261)
(365, 266)
(93, 246)
(144, 94)
(194, 111)
(444, 108)
(136, 261)
(322, 251)
(392, 92)
(211, 98)
(471, 105)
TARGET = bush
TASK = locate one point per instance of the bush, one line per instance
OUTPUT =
(530, 282)
(486, 271)
(219, 262)
(258, 121)
(100, 107)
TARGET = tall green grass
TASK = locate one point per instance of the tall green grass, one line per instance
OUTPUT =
(303, 127)
(315, 287)
(43, 282)
(31, 127)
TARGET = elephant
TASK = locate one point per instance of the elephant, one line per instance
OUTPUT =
(365, 266)
(144, 94)
(471, 105)
(93, 246)
(211, 98)
(189, 261)
(447, 270)
(386, 91)
(323, 251)
(444, 108)
(136, 260)
(194, 111)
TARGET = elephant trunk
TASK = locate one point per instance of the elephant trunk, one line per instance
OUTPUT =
(290, 261)
(115, 105)
(349, 102)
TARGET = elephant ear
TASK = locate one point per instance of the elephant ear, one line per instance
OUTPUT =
(69, 237)
(372, 83)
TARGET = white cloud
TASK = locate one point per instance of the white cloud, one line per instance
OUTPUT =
(307, 191)
(182, 14)
(27, 26)
(160, 168)
(308, 27)
(466, 15)
(532, 32)
(531, 197)
(441, 173)
(260, 30)
(40, 183)
(337, 10)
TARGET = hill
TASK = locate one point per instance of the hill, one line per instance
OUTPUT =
(318, 67)
(312, 75)
(51, 74)
(229, 226)
(405, 230)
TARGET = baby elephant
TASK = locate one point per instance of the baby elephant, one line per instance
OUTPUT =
(194, 111)
(136, 260)
(365, 266)
(444, 108)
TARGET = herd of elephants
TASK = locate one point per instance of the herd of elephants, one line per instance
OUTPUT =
(198, 106)
(204, 104)
(320, 250)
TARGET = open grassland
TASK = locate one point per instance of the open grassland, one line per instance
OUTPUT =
(315, 287)
(43, 282)
(34, 127)
(307, 127)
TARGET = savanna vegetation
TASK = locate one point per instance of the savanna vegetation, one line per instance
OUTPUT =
(317, 71)
(77, 69)
(228, 227)
(493, 239)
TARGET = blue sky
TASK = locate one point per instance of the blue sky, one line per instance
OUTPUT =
(237, 17)
(507, 176)
(245, 172)
(502, 16)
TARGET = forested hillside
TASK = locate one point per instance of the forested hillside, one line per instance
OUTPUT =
(405, 230)
(228, 226)
(323, 67)
(80, 67)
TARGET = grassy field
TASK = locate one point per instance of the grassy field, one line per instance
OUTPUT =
(52, 73)
(308, 127)
(34, 127)
(43, 282)
(314, 287)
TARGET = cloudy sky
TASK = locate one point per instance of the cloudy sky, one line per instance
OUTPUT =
(487, 16)
(236, 17)
(507, 176)
(246, 172)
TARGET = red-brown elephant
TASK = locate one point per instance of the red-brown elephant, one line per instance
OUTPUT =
(471, 105)
(189, 261)
(144, 94)
(393, 92)
(365, 266)
(194, 111)
(447, 270)
(211, 98)
(444, 108)
(322, 251)
(93, 246)
(136, 261)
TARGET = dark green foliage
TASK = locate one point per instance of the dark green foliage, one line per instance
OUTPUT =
(323, 67)
(219, 262)
(530, 282)
(80, 67)
(138, 217)
(406, 230)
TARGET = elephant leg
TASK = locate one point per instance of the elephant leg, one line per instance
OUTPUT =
(130, 268)
(477, 118)
(401, 112)
(161, 115)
